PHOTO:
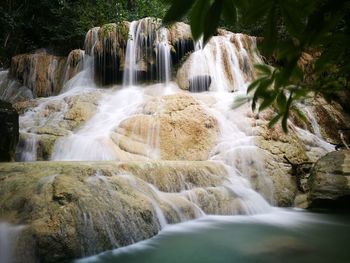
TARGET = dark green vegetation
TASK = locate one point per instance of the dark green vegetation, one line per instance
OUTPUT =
(61, 25)
(289, 28)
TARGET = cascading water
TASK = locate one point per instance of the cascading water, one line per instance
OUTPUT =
(125, 124)
(163, 57)
(11, 90)
(145, 36)
(8, 238)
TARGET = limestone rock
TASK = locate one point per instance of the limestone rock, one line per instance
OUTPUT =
(276, 145)
(11, 90)
(42, 73)
(8, 131)
(109, 51)
(81, 108)
(330, 181)
(75, 63)
(46, 120)
(186, 131)
(180, 37)
(75, 209)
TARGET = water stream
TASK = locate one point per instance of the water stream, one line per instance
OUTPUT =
(282, 236)
(208, 238)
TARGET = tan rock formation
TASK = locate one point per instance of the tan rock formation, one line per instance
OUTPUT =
(81, 108)
(177, 125)
(46, 120)
(179, 32)
(40, 72)
(276, 145)
(74, 209)
(74, 65)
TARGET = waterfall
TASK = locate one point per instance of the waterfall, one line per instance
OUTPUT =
(11, 90)
(223, 64)
(145, 36)
(92, 142)
(163, 57)
(8, 239)
(131, 120)
(129, 78)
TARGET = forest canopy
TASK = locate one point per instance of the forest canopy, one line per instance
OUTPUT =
(61, 25)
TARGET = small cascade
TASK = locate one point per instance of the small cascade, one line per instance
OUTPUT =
(91, 40)
(163, 57)
(224, 64)
(80, 66)
(311, 117)
(26, 150)
(129, 77)
(41, 72)
(11, 90)
(236, 148)
(74, 64)
(8, 239)
(165, 176)
(92, 141)
(141, 63)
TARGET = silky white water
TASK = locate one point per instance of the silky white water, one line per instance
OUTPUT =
(8, 239)
(229, 64)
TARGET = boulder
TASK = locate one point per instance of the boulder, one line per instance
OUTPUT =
(180, 37)
(46, 120)
(11, 90)
(75, 209)
(174, 127)
(41, 72)
(330, 181)
(75, 63)
(277, 145)
(8, 131)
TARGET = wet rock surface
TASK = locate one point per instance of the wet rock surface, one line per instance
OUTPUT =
(181, 129)
(42, 73)
(330, 181)
(74, 209)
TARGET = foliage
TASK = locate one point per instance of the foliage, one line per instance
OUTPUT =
(289, 28)
(60, 25)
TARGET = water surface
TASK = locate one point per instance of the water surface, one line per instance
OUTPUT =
(281, 236)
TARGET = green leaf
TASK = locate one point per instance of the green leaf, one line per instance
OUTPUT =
(253, 85)
(270, 31)
(285, 122)
(240, 101)
(300, 114)
(197, 18)
(286, 113)
(281, 102)
(230, 12)
(263, 69)
(267, 101)
(212, 20)
(292, 15)
(274, 120)
(177, 10)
